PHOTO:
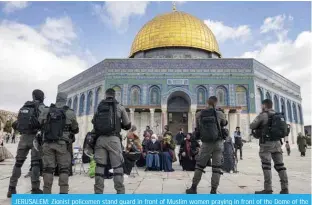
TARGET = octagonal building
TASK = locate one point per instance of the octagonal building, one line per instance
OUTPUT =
(173, 66)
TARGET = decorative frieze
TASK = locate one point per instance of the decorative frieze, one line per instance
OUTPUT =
(177, 82)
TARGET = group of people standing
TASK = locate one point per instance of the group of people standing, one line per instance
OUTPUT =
(52, 130)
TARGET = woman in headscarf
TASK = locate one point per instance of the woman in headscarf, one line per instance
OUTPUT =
(4, 152)
(152, 157)
(168, 153)
(133, 150)
(142, 161)
(302, 144)
(188, 150)
(228, 155)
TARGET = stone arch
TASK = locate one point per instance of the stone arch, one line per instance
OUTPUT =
(82, 104)
(166, 96)
(97, 97)
(69, 103)
(276, 104)
(118, 93)
(295, 113)
(241, 96)
(222, 95)
(154, 95)
(289, 111)
(89, 102)
(135, 95)
(201, 92)
(75, 104)
(268, 95)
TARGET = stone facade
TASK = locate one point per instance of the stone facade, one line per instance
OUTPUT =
(145, 86)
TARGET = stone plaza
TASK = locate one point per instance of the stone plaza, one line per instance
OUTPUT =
(246, 181)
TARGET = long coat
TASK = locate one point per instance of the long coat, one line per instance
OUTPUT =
(302, 143)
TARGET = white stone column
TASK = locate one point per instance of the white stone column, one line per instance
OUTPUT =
(238, 114)
(164, 117)
(132, 115)
(152, 120)
(193, 119)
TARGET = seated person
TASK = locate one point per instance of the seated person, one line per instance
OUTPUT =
(152, 157)
(133, 150)
(228, 155)
(188, 150)
(167, 152)
(142, 161)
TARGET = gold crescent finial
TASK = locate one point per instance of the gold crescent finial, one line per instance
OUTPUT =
(174, 8)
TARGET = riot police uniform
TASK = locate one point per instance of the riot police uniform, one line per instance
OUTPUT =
(110, 146)
(56, 153)
(24, 146)
(270, 149)
(207, 149)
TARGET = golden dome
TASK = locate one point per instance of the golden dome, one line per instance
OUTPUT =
(175, 29)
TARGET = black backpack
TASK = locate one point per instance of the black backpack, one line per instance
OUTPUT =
(105, 120)
(27, 119)
(277, 127)
(55, 124)
(209, 127)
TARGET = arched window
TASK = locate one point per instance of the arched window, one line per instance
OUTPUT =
(276, 104)
(81, 104)
(89, 102)
(97, 97)
(154, 95)
(201, 96)
(283, 108)
(75, 104)
(117, 93)
(300, 114)
(289, 111)
(295, 113)
(268, 96)
(69, 103)
(135, 95)
(221, 95)
(241, 96)
(259, 99)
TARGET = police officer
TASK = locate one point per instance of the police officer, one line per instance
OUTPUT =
(109, 145)
(26, 143)
(212, 144)
(55, 150)
(269, 149)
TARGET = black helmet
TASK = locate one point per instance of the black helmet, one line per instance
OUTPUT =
(38, 95)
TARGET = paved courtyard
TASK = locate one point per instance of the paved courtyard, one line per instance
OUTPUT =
(247, 180)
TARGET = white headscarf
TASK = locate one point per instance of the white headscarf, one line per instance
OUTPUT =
(154, 136)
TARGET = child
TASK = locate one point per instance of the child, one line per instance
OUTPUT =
(287, 148)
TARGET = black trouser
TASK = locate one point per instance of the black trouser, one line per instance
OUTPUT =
(303, 154)
(240, 151)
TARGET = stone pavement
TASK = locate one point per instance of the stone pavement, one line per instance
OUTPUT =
(247, 180)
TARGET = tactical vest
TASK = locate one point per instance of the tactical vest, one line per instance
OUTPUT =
(106, 121)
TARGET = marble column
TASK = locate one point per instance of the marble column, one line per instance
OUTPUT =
(132, 115)
(164, 116)
(152, 120)
(193, 119)
(238, 113)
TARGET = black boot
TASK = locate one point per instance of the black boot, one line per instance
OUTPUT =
(213, 191)
(264, 192)
(284, 191)
(36, 191)
(12, 190)
(192, 190)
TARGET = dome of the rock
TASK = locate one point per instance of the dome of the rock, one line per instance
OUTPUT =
(175, 30)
